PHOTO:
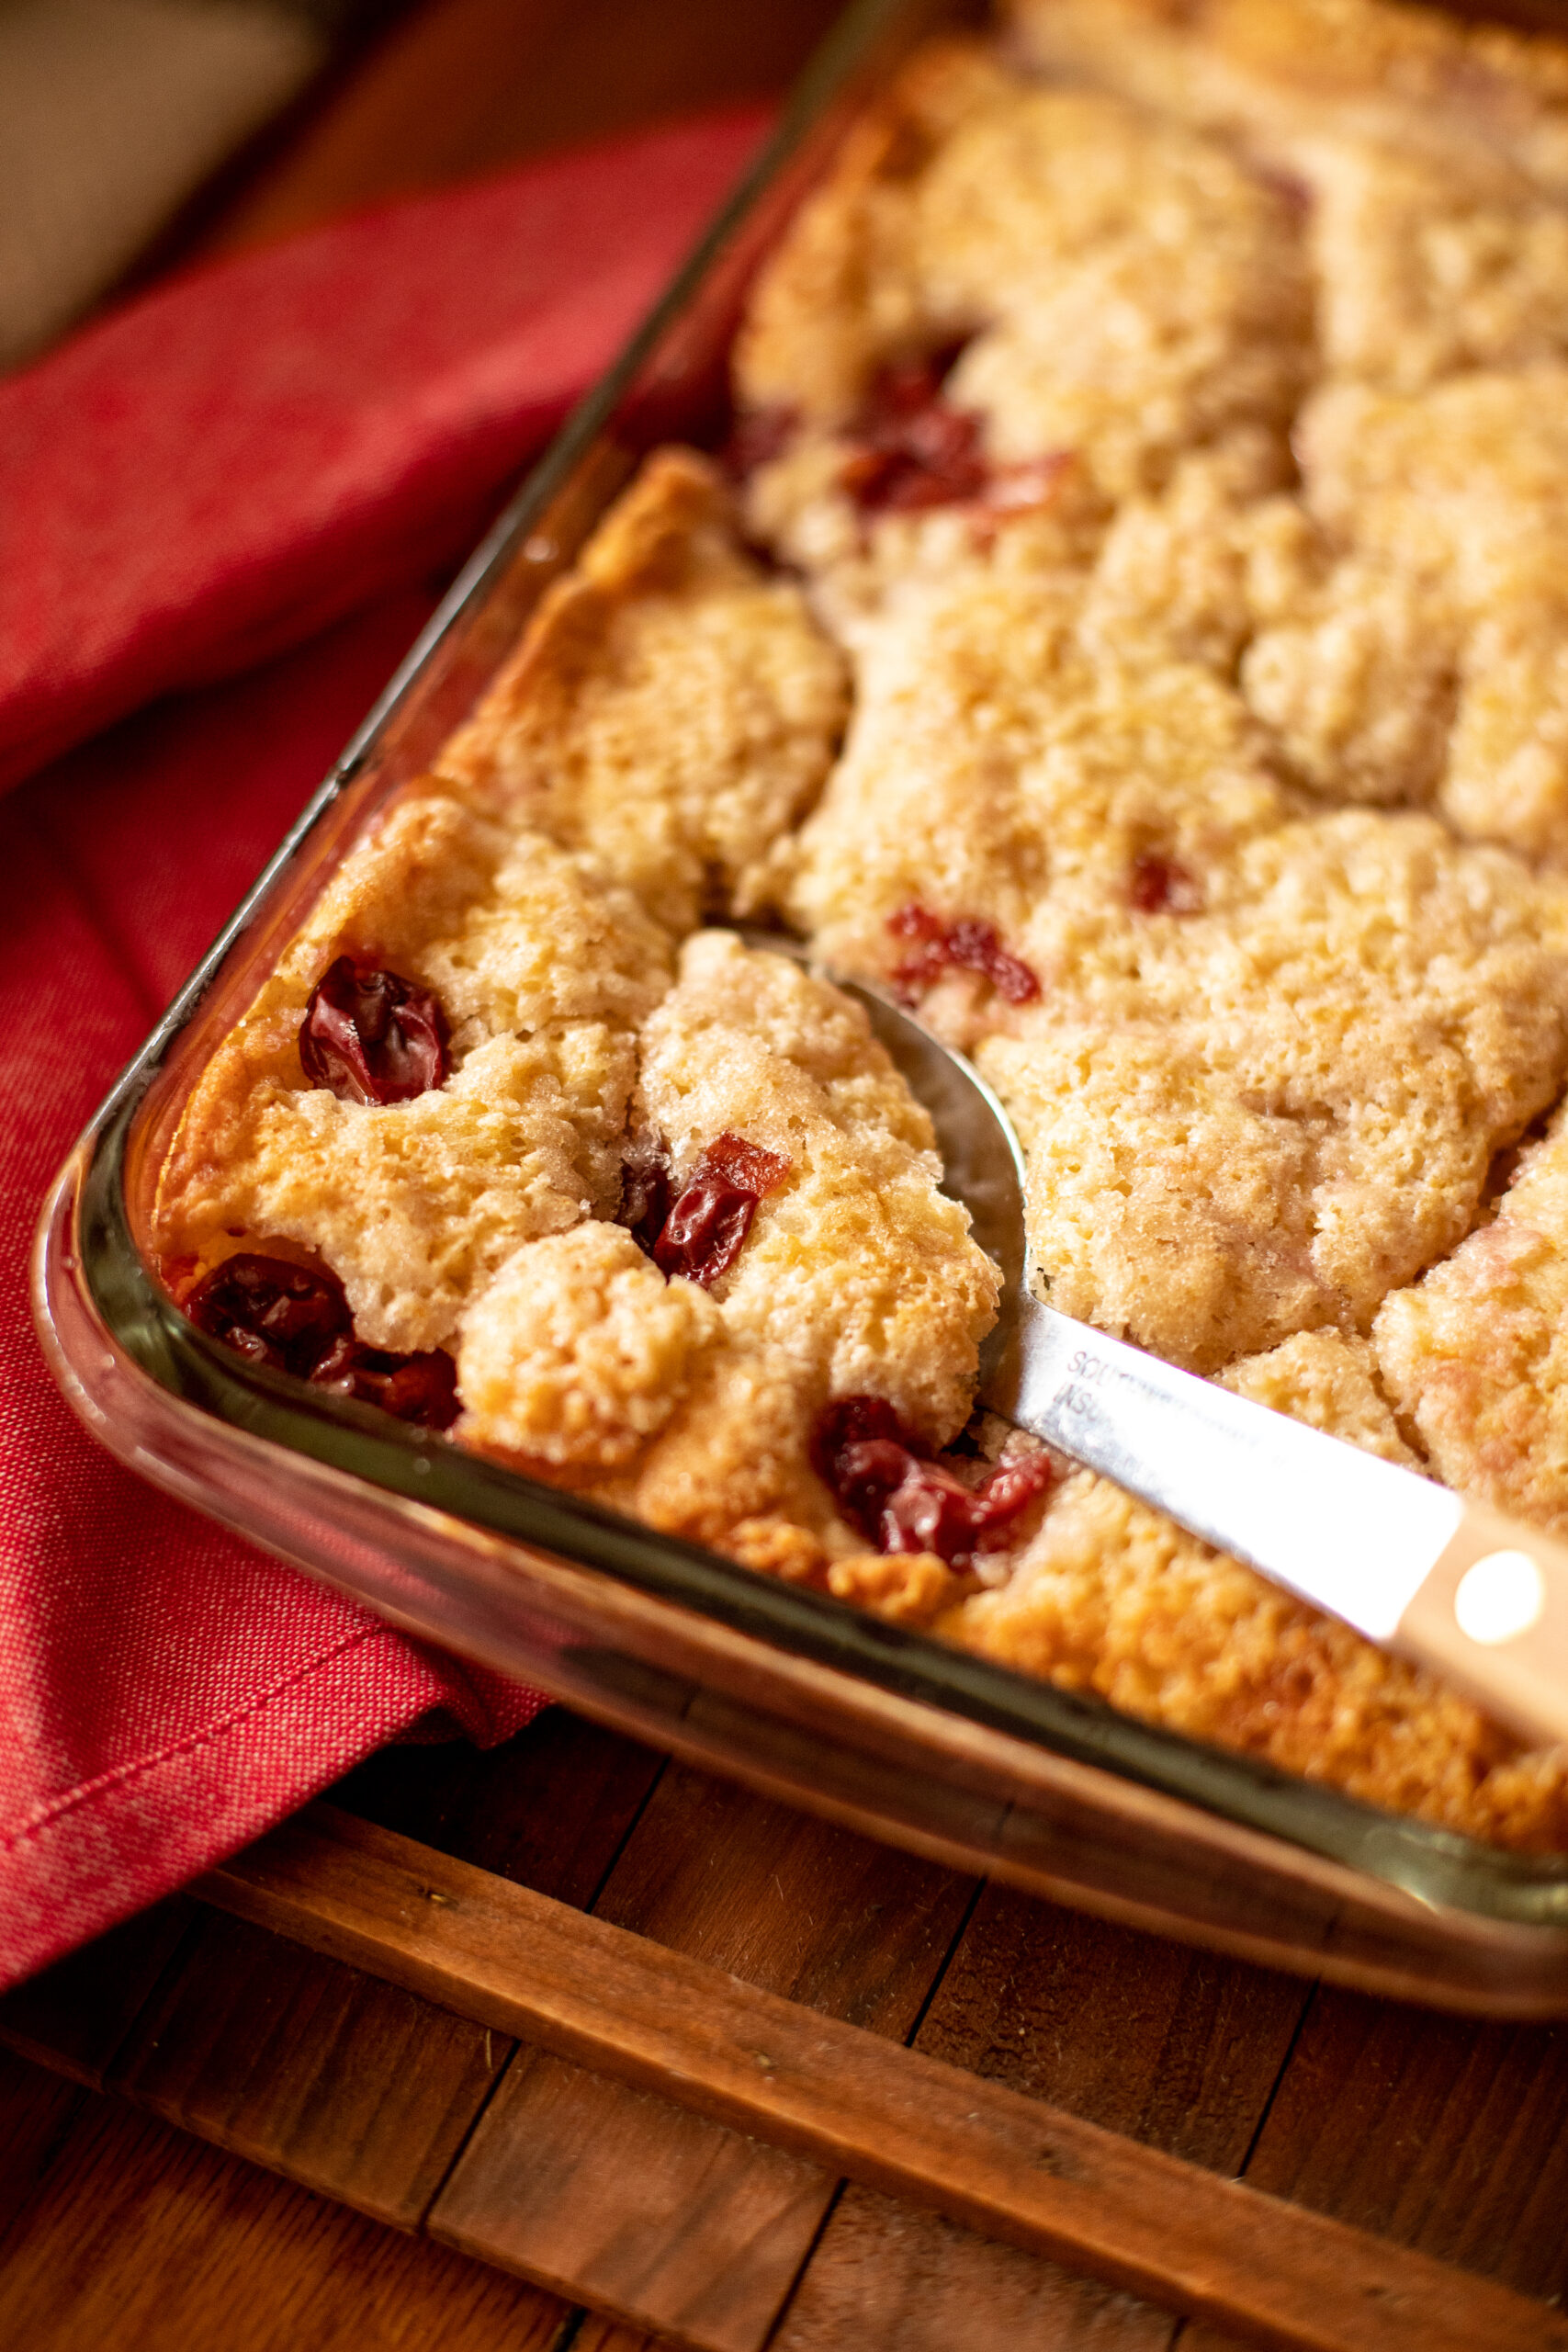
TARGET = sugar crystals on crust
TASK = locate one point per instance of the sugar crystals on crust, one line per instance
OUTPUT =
(672, 709)
(1476, 1355)
(1117, 290)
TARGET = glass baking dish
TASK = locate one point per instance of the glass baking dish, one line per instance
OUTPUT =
(789, 1691)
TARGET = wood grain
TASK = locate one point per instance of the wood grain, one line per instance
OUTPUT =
(37, 2112)
(642, 2209)
(1006, 2166)
(549, 1809)
(645, 2208)
(886, 2275)
(353, 2087)
(144, 2240)
(1177, 2048)
(347, 2084)
(1442, 2135)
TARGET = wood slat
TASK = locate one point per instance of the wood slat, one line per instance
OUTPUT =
(143, 2239)
(911, 2126)
(645, 2208)
(1174, 2047)
(348, 2085)
(37, 2112)
(618, 2198)
(339, 2081)
(886, 2275)
(1444, 2135)
(549, 1809)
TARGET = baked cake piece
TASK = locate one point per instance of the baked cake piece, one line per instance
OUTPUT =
(1476, 1355)
(543, 975)
(857, 1275)
(672, 708)
(1265, 72)
(1259, 1061)
(1017, 302)
(1446, 510)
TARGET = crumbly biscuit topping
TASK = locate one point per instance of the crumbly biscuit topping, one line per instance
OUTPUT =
(1139, 637)
(688, 800)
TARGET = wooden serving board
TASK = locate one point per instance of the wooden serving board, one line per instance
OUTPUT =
(723, 2073)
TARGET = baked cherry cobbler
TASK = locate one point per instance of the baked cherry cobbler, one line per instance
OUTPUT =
(1131, 622)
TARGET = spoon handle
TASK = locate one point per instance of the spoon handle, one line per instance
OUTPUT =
(1481, 1599)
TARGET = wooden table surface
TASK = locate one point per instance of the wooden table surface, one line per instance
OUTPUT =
(171, 2210)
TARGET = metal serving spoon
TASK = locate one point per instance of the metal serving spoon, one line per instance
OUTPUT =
(1481, 1599)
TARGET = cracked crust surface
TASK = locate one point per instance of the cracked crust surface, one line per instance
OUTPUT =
(1131, 290)
(1126, 291)
(858, 1276)
(672, 709)
(1445, 509)
(1476, 1355)
(545, 974)
(1241, 1119)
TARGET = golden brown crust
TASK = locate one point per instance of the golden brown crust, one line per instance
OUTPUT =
(672, 709)
(858, 1276)
(1111, 1597)
(1476, 1354)
(544, 973)
(1245, 1115)
(1417, 76)
(1125, 292)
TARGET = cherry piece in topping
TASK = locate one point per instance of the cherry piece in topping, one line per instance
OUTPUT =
(646, 1191)
(744, 1164)
(965, 944)
(1163, 885)
(913, 450)
(271, 1311)
(371, 1035)
(886, 1484)
(705, 1231)
(930, 458)
(422, 1388)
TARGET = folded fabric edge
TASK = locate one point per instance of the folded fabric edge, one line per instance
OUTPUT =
(104, 1850)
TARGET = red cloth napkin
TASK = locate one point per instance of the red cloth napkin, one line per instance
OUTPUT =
(215, 472)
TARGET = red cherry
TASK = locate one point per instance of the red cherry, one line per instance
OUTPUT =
(421, 1387)
(271, 1311)
(966, 943)
(646, 1191)
(1163, 885)
(913, 450)
(371, 1035)
(706, 1230)
(886, 1484)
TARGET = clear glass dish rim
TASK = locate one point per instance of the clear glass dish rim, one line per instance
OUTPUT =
(1444, 1868)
